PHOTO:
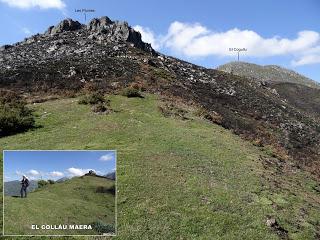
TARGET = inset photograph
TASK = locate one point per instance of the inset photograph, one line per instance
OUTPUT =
(59, 192)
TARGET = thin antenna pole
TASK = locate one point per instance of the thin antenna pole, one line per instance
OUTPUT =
(85, 17)
(238, 56)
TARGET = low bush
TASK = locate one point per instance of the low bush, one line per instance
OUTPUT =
(51, 181)
(131, 92)
(42, 183)
(92, 98)
(99, 108)
(140, 86)
(15, 116)
(97, 101)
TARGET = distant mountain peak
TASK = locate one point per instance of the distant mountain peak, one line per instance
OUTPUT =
(268, 73)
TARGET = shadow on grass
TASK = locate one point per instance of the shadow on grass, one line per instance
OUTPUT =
(36, 127)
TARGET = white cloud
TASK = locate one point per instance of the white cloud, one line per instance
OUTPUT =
(56, 174)
(148, 36)
(308, 59)
(107, 157)
(43, 4)
(196, 40)
(19, 173)
(33, 172)
(78, 171)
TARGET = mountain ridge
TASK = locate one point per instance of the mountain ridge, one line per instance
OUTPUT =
(268, 73)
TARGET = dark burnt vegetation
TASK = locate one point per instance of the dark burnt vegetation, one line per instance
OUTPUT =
(305, 98)
(211, 116)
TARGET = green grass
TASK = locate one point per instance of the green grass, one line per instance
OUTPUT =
(71, 202)
(178, 179)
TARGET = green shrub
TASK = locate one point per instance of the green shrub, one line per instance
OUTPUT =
(51, 181)
(99, 108)
(97, 100)
(83, 100)
(131, 92)
(92, 98)
(102, 227)
(15, 116)
(42, 183)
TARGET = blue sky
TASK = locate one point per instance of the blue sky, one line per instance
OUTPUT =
(56, 164)
(285, 33)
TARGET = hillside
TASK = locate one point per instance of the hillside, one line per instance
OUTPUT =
(268, 73)
(110, 55)
(74, 201)
(202, 154)
(304, 98)
(182, 177)
(12, 188)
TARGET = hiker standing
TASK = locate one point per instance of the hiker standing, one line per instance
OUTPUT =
(24, 186)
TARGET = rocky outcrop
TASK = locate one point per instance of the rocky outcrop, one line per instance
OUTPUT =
(65, 25)
(105, 30)
(99, 24)
(101, 30)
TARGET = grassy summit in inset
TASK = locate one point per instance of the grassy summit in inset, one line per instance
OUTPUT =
(86, 200)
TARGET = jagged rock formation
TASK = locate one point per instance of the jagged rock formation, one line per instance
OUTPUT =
(112, 55)
(268, 73)
(63, 26)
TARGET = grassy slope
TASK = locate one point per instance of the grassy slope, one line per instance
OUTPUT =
(72, 202)
(178, 179)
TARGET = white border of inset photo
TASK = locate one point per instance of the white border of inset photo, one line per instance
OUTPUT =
(68, 235)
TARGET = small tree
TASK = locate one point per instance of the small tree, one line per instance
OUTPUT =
(15, 116)
(51, 181)
(42, 183)
(131, 92)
